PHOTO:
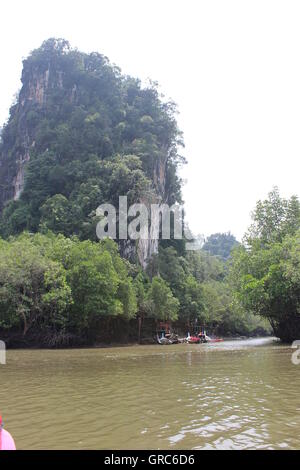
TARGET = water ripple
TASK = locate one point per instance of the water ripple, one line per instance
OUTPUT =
(235, 395)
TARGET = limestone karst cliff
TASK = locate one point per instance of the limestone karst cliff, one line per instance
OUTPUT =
(80, 134)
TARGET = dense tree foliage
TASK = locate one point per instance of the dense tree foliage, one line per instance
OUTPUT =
(62, 291)
(53, 285)
(33, 288)
(200, 283)
(265, 271)
(220, 244)
(163, 305)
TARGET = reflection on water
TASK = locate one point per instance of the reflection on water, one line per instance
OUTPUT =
(231, 395)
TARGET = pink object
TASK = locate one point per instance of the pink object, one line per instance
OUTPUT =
(6, 441)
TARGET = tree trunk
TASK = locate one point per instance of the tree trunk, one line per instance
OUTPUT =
(140, 321)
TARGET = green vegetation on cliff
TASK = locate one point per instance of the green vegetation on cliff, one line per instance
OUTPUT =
(84, 134)
(81, 134)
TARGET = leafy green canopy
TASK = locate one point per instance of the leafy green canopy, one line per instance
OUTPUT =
(52, 283)
(220, 244)
(265, 271)
(199, 281)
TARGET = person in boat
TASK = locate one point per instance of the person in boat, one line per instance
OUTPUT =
(6, 440)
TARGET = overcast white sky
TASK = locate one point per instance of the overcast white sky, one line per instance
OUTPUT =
(233, 67)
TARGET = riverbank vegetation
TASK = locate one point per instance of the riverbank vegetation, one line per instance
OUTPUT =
(58, 291)
(265, 272)
(81, 134)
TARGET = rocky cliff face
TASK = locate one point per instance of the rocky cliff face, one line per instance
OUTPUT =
(32, 99)
(78, 107)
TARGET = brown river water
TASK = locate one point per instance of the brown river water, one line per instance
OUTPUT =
(231, 395)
